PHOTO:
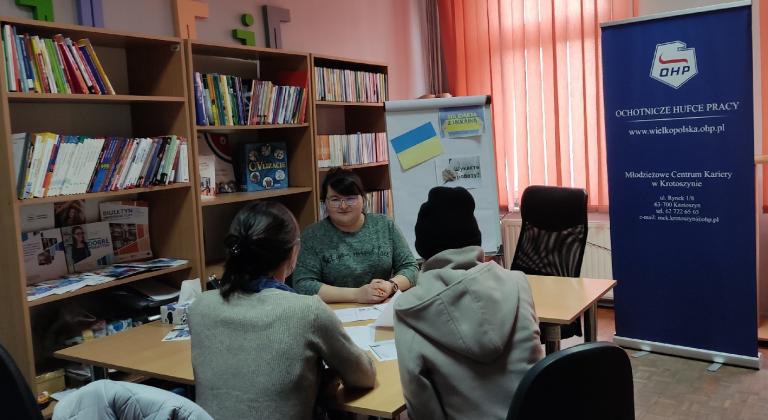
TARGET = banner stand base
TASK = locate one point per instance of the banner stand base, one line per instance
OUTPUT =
(688, 352)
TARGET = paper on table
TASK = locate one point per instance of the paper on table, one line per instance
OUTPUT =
(178, 334)
(387, 317)
(361, 336)
(357, 314)
(384, 350)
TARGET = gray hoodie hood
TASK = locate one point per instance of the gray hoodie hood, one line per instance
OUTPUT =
(462, 304)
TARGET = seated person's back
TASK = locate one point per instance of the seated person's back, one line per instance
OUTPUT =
(257, 346)
(468, 332)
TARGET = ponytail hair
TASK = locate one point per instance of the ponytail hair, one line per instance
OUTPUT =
(260, 239)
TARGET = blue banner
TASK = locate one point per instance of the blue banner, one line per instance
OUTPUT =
(681, 179)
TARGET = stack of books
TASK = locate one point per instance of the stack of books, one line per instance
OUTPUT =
(351, 149)
(340, 85)
(49, 164)
(57, 65)
(232, 100)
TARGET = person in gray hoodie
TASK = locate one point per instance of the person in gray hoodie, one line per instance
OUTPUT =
(468, 332)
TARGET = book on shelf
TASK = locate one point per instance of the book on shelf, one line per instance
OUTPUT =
(44, 257)
(266, 166)
(71, 282)
(351, 149)
(129, 228)
(52, 65)
(52, 165)
(231, 100)
(344, 85)
(222, 179)
(207, 167)
(88, 246)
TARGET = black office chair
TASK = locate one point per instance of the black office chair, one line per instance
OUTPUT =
(589, 381)
(14, 389)
(553, 236)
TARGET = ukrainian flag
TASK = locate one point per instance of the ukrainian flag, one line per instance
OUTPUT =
(417, 146)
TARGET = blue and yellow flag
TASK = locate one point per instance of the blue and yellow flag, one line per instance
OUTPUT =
(417, 146)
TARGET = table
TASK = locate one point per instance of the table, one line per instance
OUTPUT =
(140, 350)
(558, 300)
(561, 300)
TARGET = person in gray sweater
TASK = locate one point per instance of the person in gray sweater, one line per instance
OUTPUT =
(352, 256)
(468, 332)
(258, 347)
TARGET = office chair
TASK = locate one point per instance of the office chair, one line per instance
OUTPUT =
(14, 389)
(553, 236)
(589, 381)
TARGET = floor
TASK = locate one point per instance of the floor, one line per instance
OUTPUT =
(673, 388)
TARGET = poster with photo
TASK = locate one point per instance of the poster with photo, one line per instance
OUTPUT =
(43, 255)
(459, 171)
(129, 228)
(69, 213)
(88, 246)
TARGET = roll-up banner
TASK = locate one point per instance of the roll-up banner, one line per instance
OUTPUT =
(681, 181)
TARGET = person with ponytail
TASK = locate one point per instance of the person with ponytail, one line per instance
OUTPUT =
(258, 347)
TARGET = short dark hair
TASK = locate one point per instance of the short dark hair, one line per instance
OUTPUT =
(261, 237)
(343, 181)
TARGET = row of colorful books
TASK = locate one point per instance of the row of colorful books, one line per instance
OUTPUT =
(341, 85)
(351, 149)
(74, 246)
(49, 164)
(377, 201)
(52, 65)
(231, 100)
(77, 281)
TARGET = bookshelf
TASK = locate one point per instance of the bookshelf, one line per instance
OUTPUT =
(151, 100)
(215, 213)
(350, 117)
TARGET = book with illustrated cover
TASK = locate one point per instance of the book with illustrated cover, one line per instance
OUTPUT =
(88, 246)
(43, 255)
(207, 167)
(219, 147)
(129, 229)
(266, 166)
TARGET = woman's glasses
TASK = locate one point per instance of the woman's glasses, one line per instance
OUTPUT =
(336, 202)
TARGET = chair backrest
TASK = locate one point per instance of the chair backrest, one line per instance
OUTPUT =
(553, 233)
(21, 403)
(589, 381)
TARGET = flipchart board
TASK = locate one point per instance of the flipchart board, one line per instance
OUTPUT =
(447, 142)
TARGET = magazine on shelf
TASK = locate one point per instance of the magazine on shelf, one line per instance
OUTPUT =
(88, 246)
(44, 257)
(129, 228)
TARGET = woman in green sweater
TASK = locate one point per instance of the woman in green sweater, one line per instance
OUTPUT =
(352, 256)
(257, 346)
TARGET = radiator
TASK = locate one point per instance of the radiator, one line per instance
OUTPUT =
(597, 255)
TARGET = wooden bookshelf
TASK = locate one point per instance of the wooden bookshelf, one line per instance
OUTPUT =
(332, 117)
(228, 128)
(331, 103)
(250, 196)
(83, 98)
(215, 213)
(360, 166)
(147, 74)
(114, 283)
(100, 195)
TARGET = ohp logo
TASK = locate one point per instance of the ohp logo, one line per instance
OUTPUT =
(673, 64)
